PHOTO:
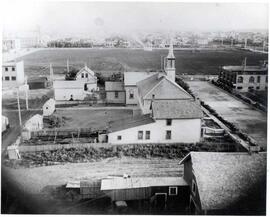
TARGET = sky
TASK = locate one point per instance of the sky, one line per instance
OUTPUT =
(72, 18)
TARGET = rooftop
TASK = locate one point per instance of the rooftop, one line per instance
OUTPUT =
(161, 87)
(224, 179)
(37, 79)
(114, 86)
(131, 78)
(246, 69)
(130, 122)
(176, 109)
(141, 182)
(86, 69)
(68, 84)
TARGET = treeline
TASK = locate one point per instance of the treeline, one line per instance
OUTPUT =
(69, 44)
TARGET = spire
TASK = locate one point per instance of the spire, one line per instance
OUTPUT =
(171, 55)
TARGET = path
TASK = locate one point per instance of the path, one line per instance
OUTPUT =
(245, 117)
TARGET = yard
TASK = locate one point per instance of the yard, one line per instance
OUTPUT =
(95, 118)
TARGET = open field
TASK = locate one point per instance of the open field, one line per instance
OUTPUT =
(33, 180)
(92, 118)
(109, 60)
(249, 120)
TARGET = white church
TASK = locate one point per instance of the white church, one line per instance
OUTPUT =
(168, 113)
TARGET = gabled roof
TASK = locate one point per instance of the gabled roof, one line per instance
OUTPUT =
(127, 123)
(176, 109)
(131, 78)
(161, 87)
(224, 179)
(86, 69)
(114, 86)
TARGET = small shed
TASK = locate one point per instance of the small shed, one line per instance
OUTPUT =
(49, 107)
(35, 123)
(5, 123)
(38, 83)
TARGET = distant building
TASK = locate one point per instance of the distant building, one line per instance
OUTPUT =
(48, 107)
(88, 77)
(13, 74)
(245, 78)
(11, 44)
(115, 92)
(226, 183)
(37, 83)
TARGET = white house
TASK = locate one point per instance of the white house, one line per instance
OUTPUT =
(171, 121)
(89, 78)
(48, 107)
(13, 74)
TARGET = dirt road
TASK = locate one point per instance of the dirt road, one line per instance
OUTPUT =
(249, 120)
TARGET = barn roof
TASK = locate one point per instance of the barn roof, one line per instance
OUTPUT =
(114, 86)
(223, 179)
(162, 88)
(176, 109)
(131, 78)
(130, 122)
(141, 182)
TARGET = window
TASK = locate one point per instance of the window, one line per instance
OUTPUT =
(169, 122)
(131, 94)
(250, 88)
(257, 88)
(7, 78)
(173, 190)
(168, 134)
(251, 79)
(147, 134)
(86, 75)
(13, 68)
(258, 79)
(119, 137)
(240, 79)
(6, 69)
(239, 88)
(13, 78)
(82, 75)
(116, 94)
(153, 96)
(140, 135)
(193, 187)
(47, 107)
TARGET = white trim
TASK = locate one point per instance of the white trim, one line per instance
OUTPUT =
(176, 190)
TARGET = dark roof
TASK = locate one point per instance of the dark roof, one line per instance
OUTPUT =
(37, 79)
(246, 69)
(114, 86)
(176, 109)
(224, 179)
(130, 122)
(161, 87)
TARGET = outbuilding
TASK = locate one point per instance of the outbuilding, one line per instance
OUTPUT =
(115, 92)
(37, 83)
(48, 107)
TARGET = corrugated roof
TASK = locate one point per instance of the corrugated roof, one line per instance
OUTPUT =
(176, 109)
(141, 182)
(131, 78)
(66, 84)
(162, 88)
(247, 68)
(225, 178)
(130, 122)
(114, 86)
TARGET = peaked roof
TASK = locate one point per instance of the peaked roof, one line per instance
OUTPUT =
(176, 109)
(225, 179)
(130, 122)
(86, 69)
(161, 87)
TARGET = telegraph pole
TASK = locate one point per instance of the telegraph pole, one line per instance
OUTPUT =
(51, 72)
(67, 66)
(19, 108)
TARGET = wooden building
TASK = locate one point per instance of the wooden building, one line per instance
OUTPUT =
(115, 92)
(226, 183)
(38, 83)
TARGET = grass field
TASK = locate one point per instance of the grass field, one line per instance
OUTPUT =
(109, 60)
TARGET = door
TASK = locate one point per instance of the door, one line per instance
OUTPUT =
(161, 199)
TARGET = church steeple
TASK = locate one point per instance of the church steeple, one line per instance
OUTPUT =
(170, 63)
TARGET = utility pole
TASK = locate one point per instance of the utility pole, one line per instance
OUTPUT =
(232, 42)
(51, 72)
(245, 43)
(67, 65)
(19, 108)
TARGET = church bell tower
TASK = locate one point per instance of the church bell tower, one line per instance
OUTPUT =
(170, 63)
